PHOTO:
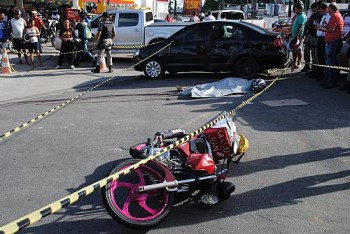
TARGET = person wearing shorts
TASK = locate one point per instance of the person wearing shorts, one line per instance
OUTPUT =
(17, 29)
(297, 35)
(32, 35)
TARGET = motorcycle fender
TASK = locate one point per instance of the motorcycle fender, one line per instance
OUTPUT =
(201, 162)
(162, 170)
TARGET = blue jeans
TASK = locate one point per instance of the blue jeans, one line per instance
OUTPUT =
(332, 50)
(83, 46)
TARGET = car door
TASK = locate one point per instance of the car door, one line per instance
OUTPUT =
(189, 52)
(128, 30)
(228, 41)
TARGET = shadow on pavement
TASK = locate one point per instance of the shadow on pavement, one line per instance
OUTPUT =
(89, 216)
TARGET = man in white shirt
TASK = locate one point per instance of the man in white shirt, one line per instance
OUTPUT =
(17, 28)
(209, 17)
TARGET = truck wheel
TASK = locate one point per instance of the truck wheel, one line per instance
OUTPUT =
(247, 67)
(154, 69)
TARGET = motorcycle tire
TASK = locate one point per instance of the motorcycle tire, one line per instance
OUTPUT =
(131, 208)
(139, 151)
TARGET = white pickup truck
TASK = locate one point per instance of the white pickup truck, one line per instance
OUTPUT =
(236, 15)
(136, 27)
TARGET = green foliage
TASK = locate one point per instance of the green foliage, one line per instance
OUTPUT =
(210, 5)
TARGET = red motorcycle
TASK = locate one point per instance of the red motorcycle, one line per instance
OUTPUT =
(195, 170)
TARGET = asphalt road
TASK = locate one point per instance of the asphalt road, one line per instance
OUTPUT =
(294, 179)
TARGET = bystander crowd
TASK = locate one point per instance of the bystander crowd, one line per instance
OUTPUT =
(33, 35)
(67, 47)
(4, 35)
(311, 39)
(17, 26)
(297, 35)
(334, 42)
(82, 48)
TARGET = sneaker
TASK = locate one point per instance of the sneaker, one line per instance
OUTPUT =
(95, 70)
(58, 67)
(72, 67)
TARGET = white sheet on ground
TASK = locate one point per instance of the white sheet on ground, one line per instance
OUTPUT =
(224, 87)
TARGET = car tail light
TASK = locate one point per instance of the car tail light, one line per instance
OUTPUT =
(264, 25)
(278, 42)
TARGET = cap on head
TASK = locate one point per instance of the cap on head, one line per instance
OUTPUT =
(34, 12)
(18, 12)
(105, 14)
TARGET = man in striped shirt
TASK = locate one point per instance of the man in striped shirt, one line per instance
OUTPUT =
(334, 42)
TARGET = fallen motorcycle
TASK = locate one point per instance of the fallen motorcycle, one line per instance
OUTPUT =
(194, 170)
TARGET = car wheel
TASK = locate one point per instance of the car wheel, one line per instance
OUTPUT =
(154, 69)
(247, 67)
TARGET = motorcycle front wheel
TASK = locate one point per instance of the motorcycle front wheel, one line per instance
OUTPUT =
(138, 210)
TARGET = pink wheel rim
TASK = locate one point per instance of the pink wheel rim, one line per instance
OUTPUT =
(139, 200)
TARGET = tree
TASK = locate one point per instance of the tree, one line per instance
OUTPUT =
(210, 5)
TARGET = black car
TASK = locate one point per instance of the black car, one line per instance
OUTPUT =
(241, 47)
(283, 23)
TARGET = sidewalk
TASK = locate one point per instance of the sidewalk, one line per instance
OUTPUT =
(29, 81)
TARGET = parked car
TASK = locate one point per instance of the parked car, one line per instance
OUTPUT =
(227, 45)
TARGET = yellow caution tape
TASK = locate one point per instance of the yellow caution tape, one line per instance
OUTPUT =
(75, 196)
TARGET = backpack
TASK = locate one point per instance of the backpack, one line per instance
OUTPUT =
(87, 32)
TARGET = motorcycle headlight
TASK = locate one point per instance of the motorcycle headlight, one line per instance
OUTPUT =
(137, 52)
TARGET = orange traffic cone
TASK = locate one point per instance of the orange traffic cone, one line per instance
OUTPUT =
(5, 64)
(103, 65)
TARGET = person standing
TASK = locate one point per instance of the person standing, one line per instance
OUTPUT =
(17, 27)
(38, 22)
(104, 42)
(33, 34)
(83, 45)
(168, 19)
(209, 17)
(194, 17)
(297, 35)
(25, 15)
(318, 72)
(4, 34)
(311, 39)
(67, 46)
(11, 13)
(334, 42)
(346, 18)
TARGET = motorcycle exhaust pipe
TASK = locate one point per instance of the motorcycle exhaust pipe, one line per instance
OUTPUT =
(174, 183)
